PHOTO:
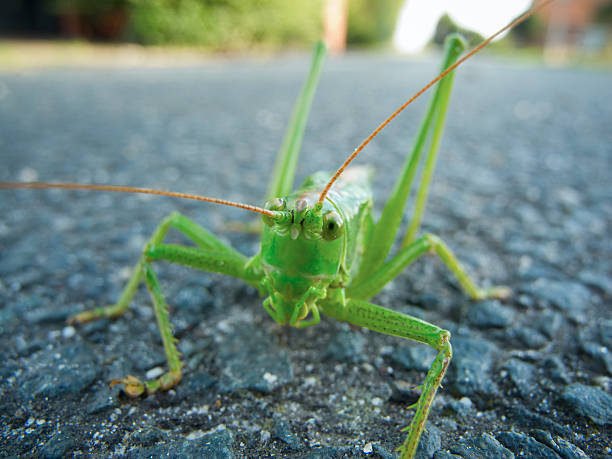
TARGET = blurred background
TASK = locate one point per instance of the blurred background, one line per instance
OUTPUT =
(566, 31)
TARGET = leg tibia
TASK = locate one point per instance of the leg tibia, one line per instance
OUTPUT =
(193, 231)
(130, 289)
(132, 385)
(432, 382)
(117, 309)
(395, 323)
(425, 244)
(466, 282)
(209, 247)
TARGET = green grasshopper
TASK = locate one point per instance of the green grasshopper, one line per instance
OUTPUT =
(321, 251)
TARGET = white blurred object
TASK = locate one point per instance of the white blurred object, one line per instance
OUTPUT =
(334, 22)
(418, 19)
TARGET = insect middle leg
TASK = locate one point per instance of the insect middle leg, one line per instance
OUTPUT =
(425, 244)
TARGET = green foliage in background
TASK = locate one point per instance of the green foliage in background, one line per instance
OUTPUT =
(225, 23)
(372, 22)
(446, 26)
(529, 32)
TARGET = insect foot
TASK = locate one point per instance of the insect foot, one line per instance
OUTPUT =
(134, 387)
(93, 314)
(500, 292)
(435, 245)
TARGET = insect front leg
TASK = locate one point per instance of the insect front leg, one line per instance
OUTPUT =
(200, 236)
(377, 318)
(210, 255)
(224, 261)
(425, 244)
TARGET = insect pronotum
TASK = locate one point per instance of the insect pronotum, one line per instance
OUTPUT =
(321, 252)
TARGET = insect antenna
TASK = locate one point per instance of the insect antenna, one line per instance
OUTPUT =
(128, 189)
(382, 125)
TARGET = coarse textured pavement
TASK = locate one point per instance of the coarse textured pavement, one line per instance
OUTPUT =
(521, 193)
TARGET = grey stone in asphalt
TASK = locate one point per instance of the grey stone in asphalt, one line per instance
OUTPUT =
(490, 314)
(431, 441)
(282, 431)
(567, 296)
(414, 357)
(471, 371)
(60, 445)
(524, 445)
(561, 446)
(555, 367)
(216, 445)
(522, 417)
(483, 447)
(521, 375)
(590, 402)
(68, 370)
(346, 346)
(251, 361)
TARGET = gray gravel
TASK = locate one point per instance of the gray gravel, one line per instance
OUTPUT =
(522, 194)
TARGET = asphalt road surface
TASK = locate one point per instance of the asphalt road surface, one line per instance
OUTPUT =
(521, 194)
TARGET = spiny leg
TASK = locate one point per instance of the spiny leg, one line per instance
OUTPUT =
(132, 385)
(426, 243)
(212, 255)
(192, 230)
(221, 261)
(377, 318)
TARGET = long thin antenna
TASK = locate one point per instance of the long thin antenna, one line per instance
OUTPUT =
(128, 189)
(374, 133)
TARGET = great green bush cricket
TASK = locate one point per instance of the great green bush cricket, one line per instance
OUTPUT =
(321, 251)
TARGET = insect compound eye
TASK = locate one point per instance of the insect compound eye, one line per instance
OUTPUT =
(275, 204)
(332, 226)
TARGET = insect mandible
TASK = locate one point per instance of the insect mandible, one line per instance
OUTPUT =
(321, 251)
